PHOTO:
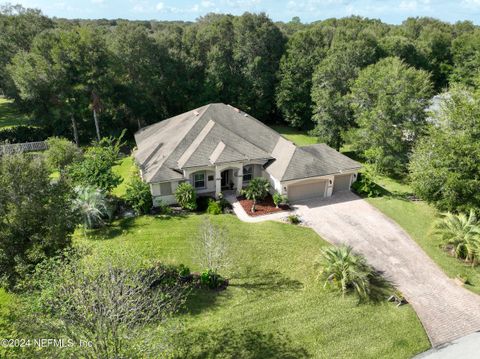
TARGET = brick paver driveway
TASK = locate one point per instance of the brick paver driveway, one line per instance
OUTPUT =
(446, 310)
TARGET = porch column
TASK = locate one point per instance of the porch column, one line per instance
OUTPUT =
(218, 181)
(239, 180)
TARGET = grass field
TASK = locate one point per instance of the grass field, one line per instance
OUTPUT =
(273, 306)
(9, 116)
(124, 168)
(300, 138)
(417, 219)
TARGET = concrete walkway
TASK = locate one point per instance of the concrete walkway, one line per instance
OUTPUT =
(447, 311)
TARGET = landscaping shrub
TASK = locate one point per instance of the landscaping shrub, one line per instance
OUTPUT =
(91, 204)
(293, 219)
(279, 199)
(460, 233)
(186, 196)
(349, 272)
(214, 207)
(22, 133)
(212, 280)
(138, 195)
(61, 153)
(365, 186)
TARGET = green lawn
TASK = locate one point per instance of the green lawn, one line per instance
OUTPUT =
(124, 168)
(300, 138)
(273, 306)
(9, 116)
(417, 219)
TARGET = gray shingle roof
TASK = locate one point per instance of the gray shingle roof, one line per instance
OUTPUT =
(219, 133)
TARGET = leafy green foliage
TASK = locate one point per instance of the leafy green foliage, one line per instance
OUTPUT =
(214, 207)
(22, 133)
(256, 190)
(279, 199)
(212, 280)
(61, 153)
(389, 100)
(293, 219)
(462, 234)
(348, 272)
(445, 165)
(186, 196)
(365, 185)
(138, 195)
(96, 168)
(36, 219)
(91, 204)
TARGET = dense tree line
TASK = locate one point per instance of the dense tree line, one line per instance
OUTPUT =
(117, 73)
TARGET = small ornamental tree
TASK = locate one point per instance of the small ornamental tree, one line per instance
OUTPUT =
(138, 195)
(186, 196)
(256, 190)
(279, 199)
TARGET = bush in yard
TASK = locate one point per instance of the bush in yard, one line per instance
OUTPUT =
(365, 186)
(91, 204)
(348, 272)
(279, 199)
(214, 207)
(256, 190)
(138, 195)
(461, 233)
(36, 216)
(293, 219)
(110, 304)
(96, 168)
(186, 196)
(212, 280)
(61, 153)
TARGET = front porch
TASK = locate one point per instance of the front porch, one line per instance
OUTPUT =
(218, 179)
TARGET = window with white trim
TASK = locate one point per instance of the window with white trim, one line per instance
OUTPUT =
(199, 180)
(247, 173)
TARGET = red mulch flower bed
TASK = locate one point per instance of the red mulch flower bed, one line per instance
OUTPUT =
(263, 207)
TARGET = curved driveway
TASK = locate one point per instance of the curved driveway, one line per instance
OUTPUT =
(446, 310)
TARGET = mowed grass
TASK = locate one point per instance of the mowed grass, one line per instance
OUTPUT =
(300, 138)
(273, 307)
(9, 116)
(126, 169)
(417, 219)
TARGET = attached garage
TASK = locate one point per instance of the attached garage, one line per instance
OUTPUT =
(341, 183)
(306, 189)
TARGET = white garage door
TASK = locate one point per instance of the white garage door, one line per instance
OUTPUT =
(341, 183)
(306, 189)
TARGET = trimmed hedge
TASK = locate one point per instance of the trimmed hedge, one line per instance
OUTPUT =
(22, 133)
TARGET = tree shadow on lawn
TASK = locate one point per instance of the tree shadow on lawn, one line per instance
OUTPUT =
(112, 230)
(266, 281)
(247, 343)
(263, 283)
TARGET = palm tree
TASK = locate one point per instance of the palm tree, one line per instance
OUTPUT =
(462, 232)
(91, 203)
(347, 271)
(257, 189)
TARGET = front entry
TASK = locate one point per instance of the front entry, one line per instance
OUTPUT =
(226, 179)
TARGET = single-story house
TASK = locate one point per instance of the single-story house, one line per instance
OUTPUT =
(219, 148)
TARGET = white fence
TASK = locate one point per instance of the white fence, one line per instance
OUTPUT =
(23, 147)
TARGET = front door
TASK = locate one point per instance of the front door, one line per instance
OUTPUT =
(225, 179)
